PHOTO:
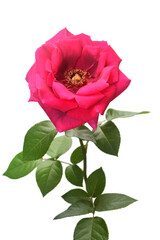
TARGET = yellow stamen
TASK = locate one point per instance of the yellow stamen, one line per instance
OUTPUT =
(76, 78)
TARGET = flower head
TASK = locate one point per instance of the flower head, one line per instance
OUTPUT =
(74, 79)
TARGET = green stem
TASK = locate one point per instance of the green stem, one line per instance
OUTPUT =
(65, 162)
(55, 159)
(84, 151)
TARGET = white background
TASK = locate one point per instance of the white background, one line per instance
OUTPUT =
(132, 29)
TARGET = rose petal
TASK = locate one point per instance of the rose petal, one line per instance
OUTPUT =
(110, 73)
(41, 59)
(71, 49)
(122, 84)
(48, 66)
(114, 75)
(89, 59)
(30, 77)
(47, 97)
(31, 71)
(93, 122)
(112, 57)
(32, 98)
(60, 119)
(88, 101)
(108, 93)
(85, 39)
(100, 84)
(32, 83)
(102, 44)
(62, 92)
(50, 79)
(93, 87)
(101, 64)
(82, 114)
(64, 33)
(56, 61)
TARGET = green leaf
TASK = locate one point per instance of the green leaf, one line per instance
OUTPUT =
(113, 114)
(107, 138)
(112, 201)
(38, 140)
(59, 146)
(91, 229)
(19, 168)
(78, 208)
(95, 183)
(75, 195)
(77, 155)
(48, 175)
(74, 175)
(81, 132)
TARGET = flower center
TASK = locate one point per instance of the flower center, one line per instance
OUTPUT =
(76, 78)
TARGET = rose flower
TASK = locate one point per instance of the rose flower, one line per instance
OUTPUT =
(74, 79)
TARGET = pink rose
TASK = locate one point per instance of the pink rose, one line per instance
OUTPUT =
(74, 79)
